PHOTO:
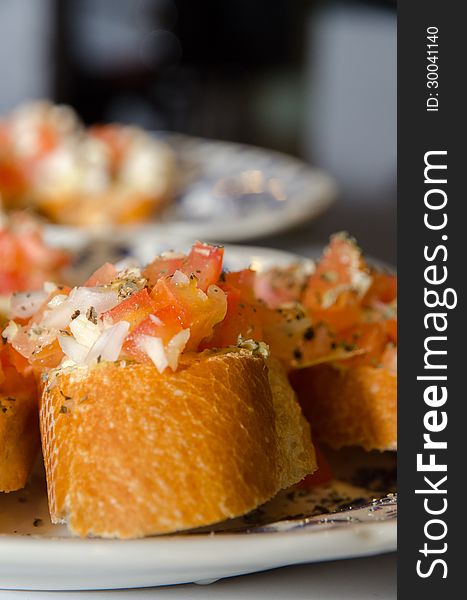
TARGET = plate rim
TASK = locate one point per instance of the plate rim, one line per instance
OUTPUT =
(321, 196)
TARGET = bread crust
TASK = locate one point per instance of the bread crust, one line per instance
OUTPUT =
(351, 407)
(19, 437)
(130, 452)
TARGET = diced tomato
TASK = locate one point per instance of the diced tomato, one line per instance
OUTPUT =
(244, 314)
(241, 281)
(383, 289)
(281, 285)
(25, 260)
(115, 137)
(151, 326)
(292, 337)
(329, 295)
(102, 276)
(205, 262)
(370, 338)
(173, 307)
(11, 282)
(168, 298)
(322, 475)
(162, 267)
(134, 309)
(12, 180)
(47, 357)
(389, 358)
(15, 379)
(242, 319)
(16, 384)
(10, 357)
(343, 313)
(391, 329)
(192, 308)
(38, 254)
(47, 140)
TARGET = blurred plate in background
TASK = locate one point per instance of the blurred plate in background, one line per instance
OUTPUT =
(231, 192)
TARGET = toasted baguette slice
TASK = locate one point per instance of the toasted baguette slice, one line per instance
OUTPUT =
(352, 407)
(130, 452)
(19, 433)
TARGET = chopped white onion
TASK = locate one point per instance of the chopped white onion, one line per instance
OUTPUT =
(58, 317)
(84, 331)
(176, 346)
(203, 251)
(109, 344)
(49, 287)
(74, 351)
(154, 348)
(180, 278)
(57, 300)
(25, 304)
(82, 299)
(10, 331)
(172, 254)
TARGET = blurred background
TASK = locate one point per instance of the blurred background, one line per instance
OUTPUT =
(313, 79)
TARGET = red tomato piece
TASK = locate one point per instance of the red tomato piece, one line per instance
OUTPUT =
(205, 262)
(389, 358)
(391, 329)
(371, 338)
(47, 357)
(242, 281)
(102, 276)
(243, 316)
(190, 306)
(329, 295)
(162, 267)
(383, 289)
(115, 138)
(280, 285)
(134, 309)
(152, 326)
(242, 319)
(10, 357)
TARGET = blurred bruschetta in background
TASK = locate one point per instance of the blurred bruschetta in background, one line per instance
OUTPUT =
(100, 176)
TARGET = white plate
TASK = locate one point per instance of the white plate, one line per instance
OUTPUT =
(34, 554)
(231, 192)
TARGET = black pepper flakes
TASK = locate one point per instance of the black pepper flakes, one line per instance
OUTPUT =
(91, 315)
(297, 353)
(38, 522)
(309, 334)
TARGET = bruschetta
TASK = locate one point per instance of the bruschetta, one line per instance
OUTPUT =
(148, 424)
(349, 391)
(94, 177)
